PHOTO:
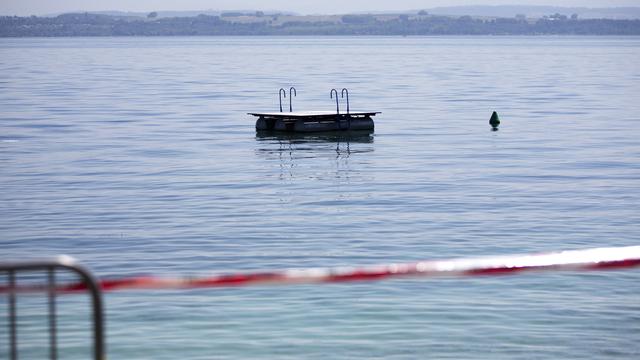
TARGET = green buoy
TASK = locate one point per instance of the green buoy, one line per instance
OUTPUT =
(494, 121)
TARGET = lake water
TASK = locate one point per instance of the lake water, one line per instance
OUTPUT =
(136, 156)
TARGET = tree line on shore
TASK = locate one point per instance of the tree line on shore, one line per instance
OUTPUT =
(87, 24)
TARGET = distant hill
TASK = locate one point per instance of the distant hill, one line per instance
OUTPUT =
(509, 11)
(168, 14)
(501, 11)
(259, 23)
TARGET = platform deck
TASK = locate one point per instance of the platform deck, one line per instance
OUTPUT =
(312, 114)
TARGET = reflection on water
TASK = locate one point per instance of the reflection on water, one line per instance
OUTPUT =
(296, 153)
(307, 145)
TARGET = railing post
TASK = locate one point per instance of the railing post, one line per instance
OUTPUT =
(53, 343)
(13, 347)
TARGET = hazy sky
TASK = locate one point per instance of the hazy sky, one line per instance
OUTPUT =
(40, 7)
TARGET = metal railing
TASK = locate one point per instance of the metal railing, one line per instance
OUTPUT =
(64, 263)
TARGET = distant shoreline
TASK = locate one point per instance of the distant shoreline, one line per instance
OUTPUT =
(260, 24)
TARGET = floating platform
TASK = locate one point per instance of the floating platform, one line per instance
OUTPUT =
(314, 121)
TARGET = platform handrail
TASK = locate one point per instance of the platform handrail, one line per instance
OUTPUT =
(337, 105)
(295, 93)
(91, 284)
(343, 92)
(281, 92)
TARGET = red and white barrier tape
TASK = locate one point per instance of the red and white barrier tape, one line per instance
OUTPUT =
(574, 260)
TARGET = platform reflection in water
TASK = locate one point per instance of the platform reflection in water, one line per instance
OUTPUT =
(294, 151)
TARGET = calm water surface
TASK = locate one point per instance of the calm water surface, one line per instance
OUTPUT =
(136, 156)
